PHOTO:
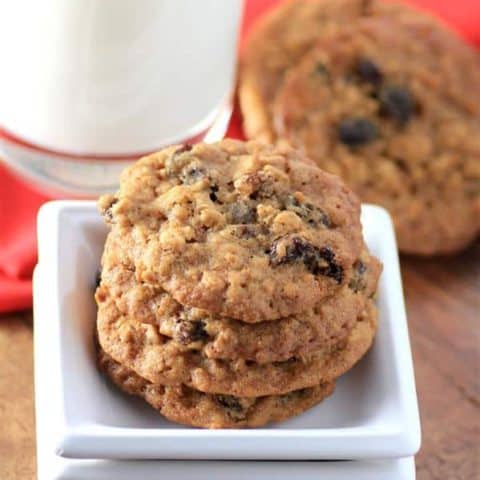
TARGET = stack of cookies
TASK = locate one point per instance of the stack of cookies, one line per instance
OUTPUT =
(235, 285)
(382, 95)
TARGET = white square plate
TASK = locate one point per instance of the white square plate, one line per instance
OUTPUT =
(373, 413)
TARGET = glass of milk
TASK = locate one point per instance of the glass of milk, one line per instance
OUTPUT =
(86, 86)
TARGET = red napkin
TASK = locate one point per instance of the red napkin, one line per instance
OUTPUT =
(19, 203)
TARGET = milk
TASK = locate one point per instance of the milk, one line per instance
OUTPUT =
(114, 77)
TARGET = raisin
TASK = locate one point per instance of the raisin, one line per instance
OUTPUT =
(289, 362)
(190, 332)
(230, 402)
(260, 186)
(108, 212)
(98, 278)
(358, 283)
(397, 103)
(177, 164)
(315, 263)
(356, 131)
(368, 72)
(308, 212)
(192, 174)
(317, 260)
(241, 213)
(320, 69)
(213, 193)
(360, 267)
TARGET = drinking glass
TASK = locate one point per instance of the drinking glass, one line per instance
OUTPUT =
(87, 86)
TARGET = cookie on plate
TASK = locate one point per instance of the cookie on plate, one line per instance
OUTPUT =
(394, 109)
(281, 38)
(322, 326)
(236, 286)
(185, 405)
(162, 360)
(244, 230)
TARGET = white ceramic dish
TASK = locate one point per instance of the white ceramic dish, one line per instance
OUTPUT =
(373, 413)
(52, 467)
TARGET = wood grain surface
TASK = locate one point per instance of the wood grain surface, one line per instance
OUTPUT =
(443, 302)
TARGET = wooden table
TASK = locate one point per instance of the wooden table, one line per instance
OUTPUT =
(443, 301)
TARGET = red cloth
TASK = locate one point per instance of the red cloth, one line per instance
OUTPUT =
(19, 203)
